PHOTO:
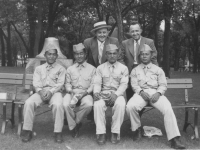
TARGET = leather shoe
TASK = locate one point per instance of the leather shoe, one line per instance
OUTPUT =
(114, 139)
(75, 131)
(27, 136)
(176, 144)
(137, 135)
(101, 139)
(58, 137)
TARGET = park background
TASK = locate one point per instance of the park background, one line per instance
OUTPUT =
(173, 24)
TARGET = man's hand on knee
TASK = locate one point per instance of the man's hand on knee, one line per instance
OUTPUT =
(145, 96)
(154, 98)
(48, 96)
(42, 94)
(112, 100)
(96, 96)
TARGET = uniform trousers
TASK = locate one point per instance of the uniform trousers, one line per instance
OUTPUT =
(118, 111)
(75, 116)
(137, 103)
(55, 103)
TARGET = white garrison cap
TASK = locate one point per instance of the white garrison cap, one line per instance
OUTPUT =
(77, 48)
(146, 47)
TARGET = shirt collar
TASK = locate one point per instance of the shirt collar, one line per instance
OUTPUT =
(137, 41)
(52, 65)
(99, 42)
(83, 64)
(109, 64)
(148, 66)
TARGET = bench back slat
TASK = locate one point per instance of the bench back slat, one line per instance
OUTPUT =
(10, 81)
(11, 76)
(179, 83)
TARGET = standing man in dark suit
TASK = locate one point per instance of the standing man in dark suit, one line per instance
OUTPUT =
(132, 49)
(96, 47)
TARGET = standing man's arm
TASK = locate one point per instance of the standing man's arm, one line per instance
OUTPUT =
(154, 53)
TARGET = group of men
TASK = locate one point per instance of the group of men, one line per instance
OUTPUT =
(100, 78)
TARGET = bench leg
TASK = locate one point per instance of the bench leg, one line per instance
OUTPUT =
(186, 124)
(13, 115)
(4, 119)
(20, 119)
(196, 123)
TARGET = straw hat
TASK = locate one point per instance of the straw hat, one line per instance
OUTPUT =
(100, 25)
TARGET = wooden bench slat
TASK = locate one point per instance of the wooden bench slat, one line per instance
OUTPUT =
(179, 86)
(10, 76)
(28, 82)
(184, 80)
(29, 76)
(10, 81)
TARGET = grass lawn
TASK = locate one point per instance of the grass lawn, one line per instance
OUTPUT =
(43, 126)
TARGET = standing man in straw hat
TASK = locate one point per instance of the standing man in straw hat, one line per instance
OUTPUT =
(48, 79)
(110, 82)
(79, 86)
(96, 47)
(149, 84)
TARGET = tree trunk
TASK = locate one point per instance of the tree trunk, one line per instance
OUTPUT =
(9, 50)
(39, 27)
(32, 19)
(195, 54)
(168, 11)
(3, 58)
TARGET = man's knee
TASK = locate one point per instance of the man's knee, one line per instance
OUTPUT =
(87, 101)
(98, 104)
(120, 102)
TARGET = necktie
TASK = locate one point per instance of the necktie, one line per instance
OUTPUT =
(145, 69)
(136, 53)
(49, 67)
(112, 68)
(100, 51)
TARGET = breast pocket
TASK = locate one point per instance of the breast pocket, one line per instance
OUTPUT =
(106, 78)
(74, 79)
(154, 77)
(117, 78)
(53, 77)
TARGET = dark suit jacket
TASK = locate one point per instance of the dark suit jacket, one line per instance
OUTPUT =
(128, 47)
(91, 46)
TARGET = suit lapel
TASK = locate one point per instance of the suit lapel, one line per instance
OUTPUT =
(142, 42)
(94, 50)
(103, 59)
(131, 46)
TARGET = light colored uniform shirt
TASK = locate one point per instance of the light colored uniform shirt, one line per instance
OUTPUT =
(111, 78)
(153, 80)
(80, 77)
(49, 77)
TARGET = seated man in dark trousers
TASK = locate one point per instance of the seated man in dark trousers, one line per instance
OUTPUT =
(110, 83)
(79, 87)
(149, 84)
(48, 79)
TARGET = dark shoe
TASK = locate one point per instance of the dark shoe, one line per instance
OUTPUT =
(27, 136)
(176, 144)
(114, 139)
(101, 139)
(75, 131)
(137, 135)
(58, 137)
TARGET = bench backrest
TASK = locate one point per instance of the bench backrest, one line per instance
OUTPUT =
(180, 84)
(28, 81)
(9, 78)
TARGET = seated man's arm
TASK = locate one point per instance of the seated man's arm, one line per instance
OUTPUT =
(162, 82)
(134, 82)
(123, 83)
(97, 83)
(60, 81)
(90, 89)
(68, 79)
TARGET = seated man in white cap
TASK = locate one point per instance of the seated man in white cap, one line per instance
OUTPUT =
(149, 83)
(79, 86)
(48, 79)
(110, 83)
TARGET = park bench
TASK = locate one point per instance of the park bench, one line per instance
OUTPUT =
(8, 97)
(182, 84)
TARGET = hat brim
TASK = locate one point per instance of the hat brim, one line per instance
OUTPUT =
(95, 29)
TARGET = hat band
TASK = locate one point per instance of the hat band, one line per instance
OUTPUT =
(99, 26)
